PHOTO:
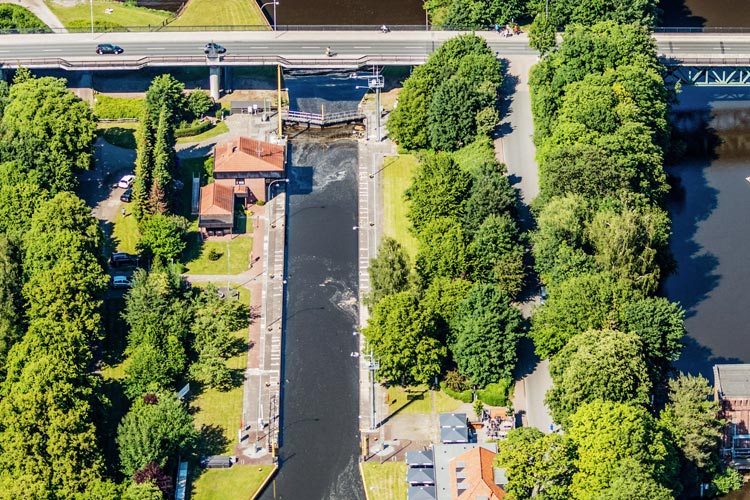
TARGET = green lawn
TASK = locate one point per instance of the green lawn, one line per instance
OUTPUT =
(80, 15)
(221, 411)
(218, 129)
(396, 177)
(239, 256)
(385, 481)
(414, 400)
(220, 13)
(125, 234)
(240, 482)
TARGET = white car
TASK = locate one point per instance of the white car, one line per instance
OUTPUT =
(126, 181)
(120, 281)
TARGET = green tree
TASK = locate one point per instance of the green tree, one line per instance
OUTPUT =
(18, 202)
(491, 194)
(143, 491)
(144, 166)
(14, 17)
(442, 298)
(166, 92)
(597, 364)
(155, 433)
(497, 254)
(727, 481)
(542, 36)
(693, 419)
(162, 236)
(536, 465)
(486, 330)
(630, 482)
(50, 129)
(589, 302)
(608, 434)
(199, 103)
(439, 189)
(48, 444)
(11, 303)
(451, 115)
(389, 271)
(442, 250)
(660, 325)
(404, 339)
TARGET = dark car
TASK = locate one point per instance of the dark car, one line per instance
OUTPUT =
(212, 48)
(108, 48)
(126, 195)
(122, 259)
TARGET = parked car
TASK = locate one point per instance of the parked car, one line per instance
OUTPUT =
(212, 48)
(108, 48)
(126, 195)
(122, 259)
(126, 181)
(120, 281)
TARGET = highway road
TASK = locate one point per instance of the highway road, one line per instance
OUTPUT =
(300, 48)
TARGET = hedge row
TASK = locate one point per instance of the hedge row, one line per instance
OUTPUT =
(195, 130)
(114, 108)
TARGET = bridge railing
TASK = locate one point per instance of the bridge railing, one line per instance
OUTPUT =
(338, 62)
(321, 119)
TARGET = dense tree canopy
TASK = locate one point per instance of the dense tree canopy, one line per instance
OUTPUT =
(486, 329)
(536, 465)
(607, 435)
(49, 130)
(154, 433)
(389, 271)
(443, 99)
(598, 364)
(404, 338)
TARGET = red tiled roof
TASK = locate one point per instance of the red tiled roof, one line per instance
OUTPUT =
(243, 154)
(217, 198)
(479, 475)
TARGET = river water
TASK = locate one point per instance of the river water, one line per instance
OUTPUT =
(711, 227)
(320, 399)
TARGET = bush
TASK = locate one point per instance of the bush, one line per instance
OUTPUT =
(214, 255)
(496, 394)
(727, 481)
(100, 26)
(116, 108)
(119, 136)
(193, 129)
(456, 382)
(463, 396)
(17, 17)
(199, 103)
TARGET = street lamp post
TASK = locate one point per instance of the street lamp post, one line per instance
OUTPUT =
(270, 185)
(274, 11)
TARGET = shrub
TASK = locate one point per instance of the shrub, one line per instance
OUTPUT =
(119, 136)
(496, 394)
(116, 108)
(214, 255)
(193, 129)
(17, 17)
(463, 396)
(456, 382)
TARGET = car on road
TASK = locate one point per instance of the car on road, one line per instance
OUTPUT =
(212, 48)
(122, 259)
(120, 281)
(126, 181)
(108, 48)
(125, 197)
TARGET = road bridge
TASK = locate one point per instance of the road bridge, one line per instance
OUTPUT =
(730, 53)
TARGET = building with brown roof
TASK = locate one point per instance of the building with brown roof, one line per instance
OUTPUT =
(473, 476)
(243, 170)
(732, 391)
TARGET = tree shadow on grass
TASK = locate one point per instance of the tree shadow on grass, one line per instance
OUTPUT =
(211, 440)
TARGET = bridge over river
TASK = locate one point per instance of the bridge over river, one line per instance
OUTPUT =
(700, 53)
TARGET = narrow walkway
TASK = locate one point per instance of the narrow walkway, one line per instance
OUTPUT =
(40, 10)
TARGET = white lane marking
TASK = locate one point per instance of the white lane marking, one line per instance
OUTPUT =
(308, 47)
(368, 47)
(155, 48)
(258, 47)
(52, 50)
(414, 47)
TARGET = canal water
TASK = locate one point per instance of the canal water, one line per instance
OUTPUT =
(320, 404)
(711, 227)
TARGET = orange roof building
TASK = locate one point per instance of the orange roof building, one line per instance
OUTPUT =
(473, 476)
(243, 169)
